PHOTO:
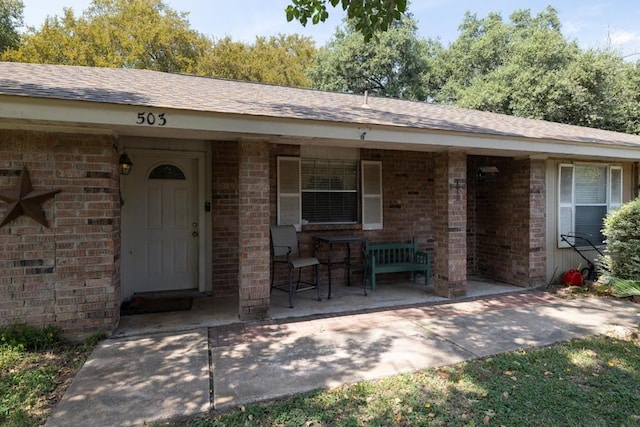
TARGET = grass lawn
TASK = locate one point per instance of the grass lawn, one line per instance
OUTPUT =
(593, 381)
(587, 382)
(36, 366)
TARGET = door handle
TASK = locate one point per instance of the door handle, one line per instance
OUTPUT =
(194, 234)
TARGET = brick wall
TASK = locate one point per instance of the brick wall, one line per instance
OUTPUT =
(408, 185)
(537, 223)
(450, 218)
(224, 211)
(635, 180)
(66, 275)
(254, 219)
(508, 213)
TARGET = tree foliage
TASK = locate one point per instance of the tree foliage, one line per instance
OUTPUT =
(369, 17)
(116, 33)
(149, 34)
(11, 18)
(526, 67)
(395, 64)
(281, 59)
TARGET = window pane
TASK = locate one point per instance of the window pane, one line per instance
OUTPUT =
(566, 220)
(329, 190)
(589, 222)
(307, 170)
(337, 175)
(591, 184)
(351, 178)
(166, 172)
(330, 207)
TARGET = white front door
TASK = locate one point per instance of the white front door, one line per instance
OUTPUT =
(160, 223)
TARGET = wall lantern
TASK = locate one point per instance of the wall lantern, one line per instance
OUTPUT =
(125, 164)
(484, 170)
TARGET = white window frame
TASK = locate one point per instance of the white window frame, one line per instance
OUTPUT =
(567, 209)
(289, 199)
(353, 191)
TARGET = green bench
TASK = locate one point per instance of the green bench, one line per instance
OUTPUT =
(397, 257)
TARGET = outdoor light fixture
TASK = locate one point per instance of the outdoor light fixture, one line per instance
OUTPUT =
(125, 164)
(484, 170)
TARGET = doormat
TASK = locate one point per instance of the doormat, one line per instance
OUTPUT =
(146, 305)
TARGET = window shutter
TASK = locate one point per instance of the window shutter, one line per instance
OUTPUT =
(565, 203)
(615, 187)
(289, 200)
(371, 195)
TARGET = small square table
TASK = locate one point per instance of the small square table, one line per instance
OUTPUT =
(341, 240)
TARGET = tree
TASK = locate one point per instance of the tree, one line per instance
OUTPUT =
(11, 18)
(527, 68)
(116, 33)
(280, 59)
(628, 109)
(369, 17)
(394, 64)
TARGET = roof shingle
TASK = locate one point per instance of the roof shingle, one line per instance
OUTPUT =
(176, 91)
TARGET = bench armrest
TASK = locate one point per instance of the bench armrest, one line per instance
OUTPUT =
(423, 255)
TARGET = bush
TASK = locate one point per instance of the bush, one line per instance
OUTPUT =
(622, 232)
(30, 337)
(623, 288)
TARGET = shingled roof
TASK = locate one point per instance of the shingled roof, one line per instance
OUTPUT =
(192, 93)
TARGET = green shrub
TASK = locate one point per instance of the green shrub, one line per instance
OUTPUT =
(622, 232)
(623, 288)
(30, 337)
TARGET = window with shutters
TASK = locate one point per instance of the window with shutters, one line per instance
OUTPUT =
(586, 193)
(329, 191)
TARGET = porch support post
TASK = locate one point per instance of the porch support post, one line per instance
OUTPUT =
(537, 222)
(451, 224)
(253, 227)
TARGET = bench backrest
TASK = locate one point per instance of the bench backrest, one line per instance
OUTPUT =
(392, 253)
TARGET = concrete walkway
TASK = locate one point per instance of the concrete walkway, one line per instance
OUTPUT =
(135, 380)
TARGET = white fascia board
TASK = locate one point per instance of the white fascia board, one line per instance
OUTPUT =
(120, 118)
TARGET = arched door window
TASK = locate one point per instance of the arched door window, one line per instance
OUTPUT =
(166, 171)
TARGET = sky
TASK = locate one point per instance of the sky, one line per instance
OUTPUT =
(592, 23)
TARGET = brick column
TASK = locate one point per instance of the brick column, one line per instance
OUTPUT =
(537, 223)
(450, 178)
(253, 225)
(635, 180)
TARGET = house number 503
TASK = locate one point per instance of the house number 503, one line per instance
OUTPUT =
(151, 119)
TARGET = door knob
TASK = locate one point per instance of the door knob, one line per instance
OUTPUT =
(194, 234)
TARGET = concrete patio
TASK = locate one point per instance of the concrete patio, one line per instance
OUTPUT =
(139, 379)
(210, 312)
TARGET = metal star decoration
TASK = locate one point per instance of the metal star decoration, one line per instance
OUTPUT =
(23, 200)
